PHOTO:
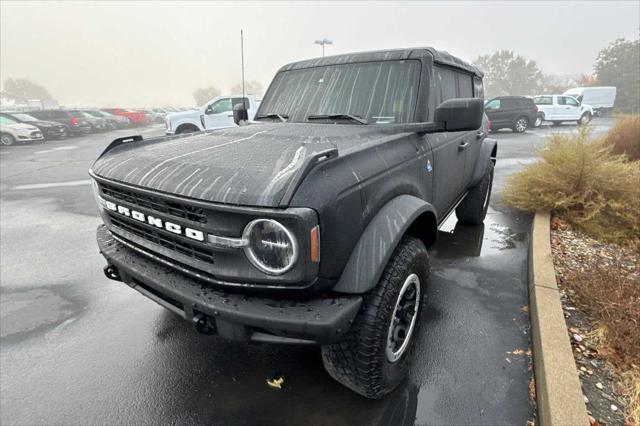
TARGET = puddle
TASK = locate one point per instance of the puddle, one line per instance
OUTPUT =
(504, 238)
(24, 313)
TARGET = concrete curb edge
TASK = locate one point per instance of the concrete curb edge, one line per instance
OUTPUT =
(559, 396)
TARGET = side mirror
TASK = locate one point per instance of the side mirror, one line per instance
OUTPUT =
(208, 110)
(457, 115)
(240, 113)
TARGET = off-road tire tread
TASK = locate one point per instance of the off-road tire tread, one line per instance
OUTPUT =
(357, 361)
(472, 209)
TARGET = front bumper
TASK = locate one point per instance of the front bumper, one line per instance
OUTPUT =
(319, 320)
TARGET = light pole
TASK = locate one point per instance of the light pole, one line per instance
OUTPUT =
(322, 43)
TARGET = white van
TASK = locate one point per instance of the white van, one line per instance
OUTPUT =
(600, 98)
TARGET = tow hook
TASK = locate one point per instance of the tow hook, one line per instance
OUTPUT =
(201, 324)
(111, 272)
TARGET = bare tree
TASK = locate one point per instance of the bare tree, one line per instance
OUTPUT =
(250, 88)
(21, 90)
(205, 94)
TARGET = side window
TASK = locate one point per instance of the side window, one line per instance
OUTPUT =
(220, 106)
(509, 103)
(543, 100)
(571, 101)
(465, 85)
(478, 88)
(446, 81)
(236, 101)
(493, 104)
(58, 114)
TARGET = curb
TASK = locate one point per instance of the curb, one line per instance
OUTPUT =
(559, 395)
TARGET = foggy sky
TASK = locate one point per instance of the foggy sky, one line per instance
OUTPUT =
(157, 53)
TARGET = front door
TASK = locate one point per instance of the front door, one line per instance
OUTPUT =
(219, 114)
(449, 155)
(568, 108)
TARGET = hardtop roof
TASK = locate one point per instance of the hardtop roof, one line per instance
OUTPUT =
(439, 56)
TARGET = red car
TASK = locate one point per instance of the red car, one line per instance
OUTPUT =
(136, 117)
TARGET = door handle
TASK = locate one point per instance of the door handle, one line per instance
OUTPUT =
(230, 115)
(480, 135)
(463, 146)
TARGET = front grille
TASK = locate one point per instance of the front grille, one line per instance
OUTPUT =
(36, 134)
(159, 237)
(158, 204)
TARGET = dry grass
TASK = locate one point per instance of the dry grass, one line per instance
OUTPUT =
(624, 137)
(631, 382)
(582, 180)
(612, 297)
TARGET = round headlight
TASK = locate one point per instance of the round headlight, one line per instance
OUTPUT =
(271, 248)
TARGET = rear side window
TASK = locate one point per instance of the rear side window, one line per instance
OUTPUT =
(478, 88)
(509, 103)
(59, 114)
(236, 101)
(543, 100)
(465, 86)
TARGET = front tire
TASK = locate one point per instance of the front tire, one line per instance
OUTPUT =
(7, 140)
(539, 120)
(520, 125)
(584, 119)
(473, 209)
(375, 356)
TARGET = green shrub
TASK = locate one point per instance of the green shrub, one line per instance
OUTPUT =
(583, 181)
(624, 137)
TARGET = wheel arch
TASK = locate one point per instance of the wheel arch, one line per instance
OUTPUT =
(187, 124)
(488, 152)
(404, 214)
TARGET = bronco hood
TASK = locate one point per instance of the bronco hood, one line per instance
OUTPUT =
(251, 165)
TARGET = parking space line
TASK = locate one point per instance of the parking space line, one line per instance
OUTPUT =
(52, 184)
(60, 148)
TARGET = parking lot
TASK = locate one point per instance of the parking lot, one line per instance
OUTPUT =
(78, 348)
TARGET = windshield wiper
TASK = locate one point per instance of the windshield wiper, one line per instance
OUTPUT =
(281, 117)
(351, 117)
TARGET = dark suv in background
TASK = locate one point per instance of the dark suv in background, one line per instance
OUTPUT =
(50, 129)
(77, 126)
(511, 112)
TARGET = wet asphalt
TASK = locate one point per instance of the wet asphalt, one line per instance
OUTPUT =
(76, 348)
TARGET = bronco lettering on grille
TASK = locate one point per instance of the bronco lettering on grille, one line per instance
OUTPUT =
(174, 228)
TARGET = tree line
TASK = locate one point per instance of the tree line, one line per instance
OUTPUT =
(506, 73)
(618, 64)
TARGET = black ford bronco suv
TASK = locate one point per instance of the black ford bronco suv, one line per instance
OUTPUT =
(310, 224)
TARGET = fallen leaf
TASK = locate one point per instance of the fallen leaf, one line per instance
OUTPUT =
(276, 382)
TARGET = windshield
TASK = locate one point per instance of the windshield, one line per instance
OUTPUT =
(6, 120)
(104, 114)
(25, 117)
(378, 92)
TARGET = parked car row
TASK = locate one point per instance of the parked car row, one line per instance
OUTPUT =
(519, 113)
(40, 125)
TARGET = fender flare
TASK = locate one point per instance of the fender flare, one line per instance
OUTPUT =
(378, 241)
(488, 152)
(187, 123)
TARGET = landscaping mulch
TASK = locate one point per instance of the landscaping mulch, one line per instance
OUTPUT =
(600, 288)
